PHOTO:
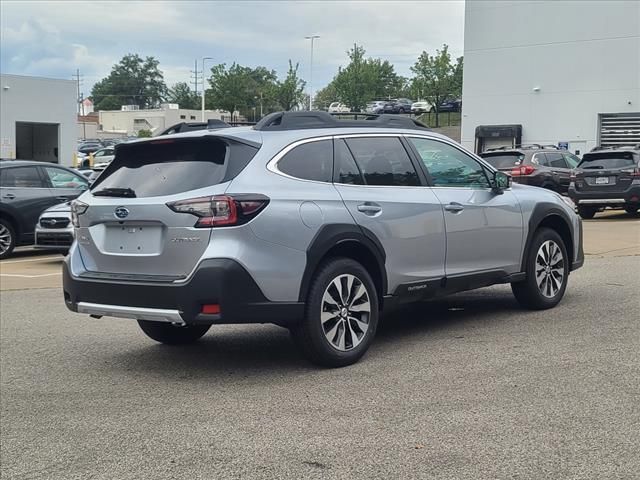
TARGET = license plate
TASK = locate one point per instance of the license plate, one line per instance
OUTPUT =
(134, 239)
(602, 180)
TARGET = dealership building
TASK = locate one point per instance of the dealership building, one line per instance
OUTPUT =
(38, 118)
(564, 73)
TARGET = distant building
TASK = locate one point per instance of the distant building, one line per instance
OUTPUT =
(565, 73)
(38, 118)
(130, 120)
(86, 107)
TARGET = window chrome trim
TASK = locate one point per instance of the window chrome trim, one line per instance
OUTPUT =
(272, 165)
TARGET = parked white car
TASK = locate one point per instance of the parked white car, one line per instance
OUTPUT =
(54, 230)
(337, 107)
(421, 107)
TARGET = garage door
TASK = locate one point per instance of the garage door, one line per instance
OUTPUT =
(619, 129)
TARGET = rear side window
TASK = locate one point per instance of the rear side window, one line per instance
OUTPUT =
(383, 161)
(167, 167)
(21, 177)
(556, 160)
(309, 161)
(503, 160)
(540, 159)
(605, 160)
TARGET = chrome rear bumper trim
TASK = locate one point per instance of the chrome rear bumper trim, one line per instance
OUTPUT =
(601, 200)
(136, 313)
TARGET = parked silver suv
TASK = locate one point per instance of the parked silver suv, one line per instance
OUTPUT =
(309, 222)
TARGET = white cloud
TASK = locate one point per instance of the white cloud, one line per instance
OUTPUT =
(55, 38)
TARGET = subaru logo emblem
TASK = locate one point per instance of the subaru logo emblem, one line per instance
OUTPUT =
(122, 212)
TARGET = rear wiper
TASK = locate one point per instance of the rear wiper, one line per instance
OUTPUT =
(115, 192)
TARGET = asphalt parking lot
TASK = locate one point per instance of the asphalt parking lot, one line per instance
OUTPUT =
(466, 387)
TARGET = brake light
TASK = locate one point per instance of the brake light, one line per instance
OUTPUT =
(522, 170)
(221, 210)
(77, 208)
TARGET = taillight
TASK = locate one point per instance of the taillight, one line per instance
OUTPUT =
(221, 210)
(522, 170)
(77, 208)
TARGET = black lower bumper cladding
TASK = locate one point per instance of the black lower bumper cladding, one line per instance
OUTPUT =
(217, 281)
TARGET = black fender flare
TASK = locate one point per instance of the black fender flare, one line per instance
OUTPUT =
(331, 235)
(541, 212)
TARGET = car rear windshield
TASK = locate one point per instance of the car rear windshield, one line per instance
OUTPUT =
(503, 160)
(606, 160)
(170, 166)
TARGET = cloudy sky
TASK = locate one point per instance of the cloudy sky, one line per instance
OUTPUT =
(52, 39)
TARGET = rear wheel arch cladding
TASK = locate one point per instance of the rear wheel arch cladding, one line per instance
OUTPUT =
(341, 240)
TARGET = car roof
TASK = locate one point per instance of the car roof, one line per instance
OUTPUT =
(4, 163)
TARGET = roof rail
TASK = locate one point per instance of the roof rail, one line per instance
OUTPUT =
(537, 146)
(307, 120)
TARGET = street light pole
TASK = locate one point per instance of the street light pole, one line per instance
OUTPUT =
(312, 38)
(204, 88)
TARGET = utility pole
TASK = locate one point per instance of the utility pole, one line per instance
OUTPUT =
(196, 77)
(204, 88)
(80, 102)
(312, 38)
(78, 80)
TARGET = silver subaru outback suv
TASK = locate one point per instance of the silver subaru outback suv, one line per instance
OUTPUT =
(311, 222)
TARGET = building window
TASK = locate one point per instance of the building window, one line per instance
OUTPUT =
(182, 117)
(192, 117)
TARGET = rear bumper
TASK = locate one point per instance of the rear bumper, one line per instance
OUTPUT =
(216, 281)
(605, 199)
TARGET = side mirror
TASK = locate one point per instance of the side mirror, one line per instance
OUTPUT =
(501, 181)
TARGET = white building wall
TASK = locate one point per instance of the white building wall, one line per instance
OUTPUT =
(43, 101)
(583, 56)
(154, 119)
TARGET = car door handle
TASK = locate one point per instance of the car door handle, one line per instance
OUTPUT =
(9, 196)
(369, 208)
(454, 207)
(62, 199)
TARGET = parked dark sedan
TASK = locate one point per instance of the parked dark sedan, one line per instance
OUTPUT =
(607, 177)
(450, 106)
(27, 189)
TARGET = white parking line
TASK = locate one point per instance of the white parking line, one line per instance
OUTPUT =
(29, 276)
(30, 260)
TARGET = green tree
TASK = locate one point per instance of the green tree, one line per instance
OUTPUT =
(363, 80)
(241, 89)
(132, 81)
(144, 133)
(182, 94)
(290, 92)
(436, 78)
(324, 97)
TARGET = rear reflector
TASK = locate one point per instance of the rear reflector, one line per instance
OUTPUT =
(211, 308)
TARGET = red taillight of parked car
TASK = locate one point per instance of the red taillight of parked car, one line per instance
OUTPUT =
(522, 170)
(221, 210)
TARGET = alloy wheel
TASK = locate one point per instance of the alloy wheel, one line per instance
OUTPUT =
(345, 312)
(5, 239)
(549, 268)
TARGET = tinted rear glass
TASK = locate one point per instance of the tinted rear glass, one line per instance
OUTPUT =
(21, 177)
(605, 160)
(503, 160)
(309, 161)
(166, 167)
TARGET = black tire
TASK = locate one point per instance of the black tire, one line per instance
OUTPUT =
(587, 212)
(401, 111)
(631, 209)
(170, 334)
(7, 239)
(310, 335)
(527, 292)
